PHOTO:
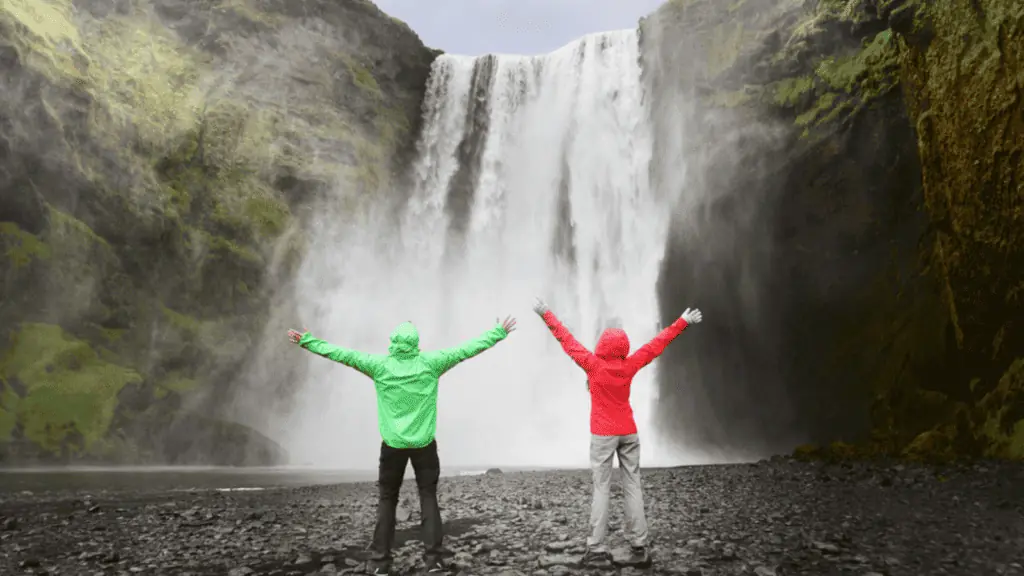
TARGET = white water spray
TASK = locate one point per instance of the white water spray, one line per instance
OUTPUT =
(564, 136)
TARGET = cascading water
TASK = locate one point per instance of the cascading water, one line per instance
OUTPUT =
(532, 179)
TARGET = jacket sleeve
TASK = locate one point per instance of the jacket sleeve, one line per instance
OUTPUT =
(648, 352)
(441, 361)
(369, 364)
(580, 355)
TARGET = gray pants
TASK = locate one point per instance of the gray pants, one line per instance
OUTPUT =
(602, 450)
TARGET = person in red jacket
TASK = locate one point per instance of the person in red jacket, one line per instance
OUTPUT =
(610, 369)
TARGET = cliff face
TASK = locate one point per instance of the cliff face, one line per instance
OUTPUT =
(156, 162)
(857, 218)
(962, 67)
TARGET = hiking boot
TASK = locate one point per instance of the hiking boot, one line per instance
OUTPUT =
(638, 557)
(595, 559)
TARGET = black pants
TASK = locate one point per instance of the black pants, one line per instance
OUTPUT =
(427, 467)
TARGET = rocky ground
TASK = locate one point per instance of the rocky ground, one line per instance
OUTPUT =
(779, 518)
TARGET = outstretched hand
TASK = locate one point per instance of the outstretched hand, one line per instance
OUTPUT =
(295, 336)
(540, 307)
(692, 316)
(509, 324)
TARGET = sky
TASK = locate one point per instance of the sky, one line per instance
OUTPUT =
(475, 27)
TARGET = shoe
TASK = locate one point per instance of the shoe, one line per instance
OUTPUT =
(436, 568)
(595, 558)
(381, 570)
(639, 557)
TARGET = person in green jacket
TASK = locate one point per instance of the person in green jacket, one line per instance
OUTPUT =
(406, 380)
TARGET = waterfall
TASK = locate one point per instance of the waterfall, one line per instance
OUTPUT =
(531, 179)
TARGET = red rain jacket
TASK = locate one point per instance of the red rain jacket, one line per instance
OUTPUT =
(610, 372)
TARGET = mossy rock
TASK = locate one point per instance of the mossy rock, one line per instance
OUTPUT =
(1002, 415)
(58, 392)
(156, 160)
(933, 446)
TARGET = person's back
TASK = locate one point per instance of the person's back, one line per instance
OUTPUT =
(406, 382)
(610, 370)
(610, 381)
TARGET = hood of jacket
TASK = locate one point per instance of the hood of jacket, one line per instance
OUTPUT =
(613, 343)
(405, 341)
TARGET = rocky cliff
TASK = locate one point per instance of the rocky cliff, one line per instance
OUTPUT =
(857, 225)
(851, 217)
(156, 162)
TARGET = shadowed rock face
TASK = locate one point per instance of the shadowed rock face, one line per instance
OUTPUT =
(857, 258)
(156, 163)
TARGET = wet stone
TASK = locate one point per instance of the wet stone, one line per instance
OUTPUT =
(774, 518)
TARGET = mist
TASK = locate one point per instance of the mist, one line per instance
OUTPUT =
(531, 179)
(723, 390)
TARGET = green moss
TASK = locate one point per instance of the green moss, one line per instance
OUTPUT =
(392, 126)
(175, 384)
(239, 139)
(146, 77)
(726, 42)
(46, 37)
(8, 411)
(175, 144)
(269, 215)
(181, 321)
(224, 161)
(866, 72)
(21, 247)
(247, 9)
(63, 225)
(1002, 411)
(361, 76)
(68, 386)
(932, 446)
(822, 106)
(790, 91)
(142, 79)
(79, 259)
(962, 86)
(219, 243)
(1015, 443)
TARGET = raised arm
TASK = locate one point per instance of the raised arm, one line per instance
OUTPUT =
(648, 352)
(368, 364)
(442, 361)
(580, 355)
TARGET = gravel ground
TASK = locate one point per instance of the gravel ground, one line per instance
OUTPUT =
(781, 517)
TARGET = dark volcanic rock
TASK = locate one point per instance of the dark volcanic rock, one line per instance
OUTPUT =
(781, 518)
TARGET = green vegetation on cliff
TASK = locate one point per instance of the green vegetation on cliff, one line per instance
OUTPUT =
(947, 375)
(67, 387)
(962, 83)
(751, 56)
(157, 159)
(923, 323)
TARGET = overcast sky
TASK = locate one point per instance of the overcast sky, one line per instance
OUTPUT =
(475, 27)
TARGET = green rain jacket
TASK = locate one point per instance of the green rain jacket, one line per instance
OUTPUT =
(405, 379)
